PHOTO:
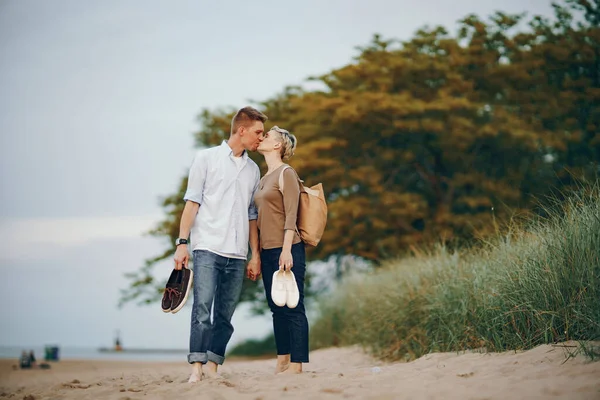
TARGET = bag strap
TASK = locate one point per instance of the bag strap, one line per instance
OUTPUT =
(300, 181)
(281, 190)
(281, 178)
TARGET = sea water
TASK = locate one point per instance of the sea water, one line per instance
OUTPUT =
(83, 353)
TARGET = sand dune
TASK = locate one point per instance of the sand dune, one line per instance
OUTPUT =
(339, 373)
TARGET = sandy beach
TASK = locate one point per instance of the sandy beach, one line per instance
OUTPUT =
(337, 373)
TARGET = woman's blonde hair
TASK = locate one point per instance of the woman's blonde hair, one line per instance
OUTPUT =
(288, 143)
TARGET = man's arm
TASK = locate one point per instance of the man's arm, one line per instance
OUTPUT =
(193, 199)
(291, 199)
(253, 268)
(185, 225)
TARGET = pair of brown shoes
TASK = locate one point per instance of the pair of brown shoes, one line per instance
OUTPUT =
(177, 290)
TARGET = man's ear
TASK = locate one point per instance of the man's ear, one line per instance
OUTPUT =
(242, 130)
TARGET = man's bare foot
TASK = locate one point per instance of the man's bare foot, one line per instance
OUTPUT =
(294, 368)
(210, 370)
(283, 363)
(196, 375)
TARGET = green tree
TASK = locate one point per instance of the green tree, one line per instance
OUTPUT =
(435, 138)
(551, 78)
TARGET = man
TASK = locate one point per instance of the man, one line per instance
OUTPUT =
(220, 215)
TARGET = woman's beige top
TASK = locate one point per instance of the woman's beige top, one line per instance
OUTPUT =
(276, 212)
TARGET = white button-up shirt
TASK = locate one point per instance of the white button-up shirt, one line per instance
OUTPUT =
(224, 188)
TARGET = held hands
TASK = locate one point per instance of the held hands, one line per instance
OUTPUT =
(181, 256)
(253, 268)
(286, 262)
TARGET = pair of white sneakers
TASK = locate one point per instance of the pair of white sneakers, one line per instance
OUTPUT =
(284, 289)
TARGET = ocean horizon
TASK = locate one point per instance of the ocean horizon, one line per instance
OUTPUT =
(91, 353)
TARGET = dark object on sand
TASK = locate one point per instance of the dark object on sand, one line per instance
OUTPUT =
(51, 353)
(27, 361)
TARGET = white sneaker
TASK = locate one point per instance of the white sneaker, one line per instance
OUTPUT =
(278, 292)
(291, 288)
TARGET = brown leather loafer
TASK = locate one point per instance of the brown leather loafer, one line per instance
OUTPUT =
(168, 294)
(182, 289)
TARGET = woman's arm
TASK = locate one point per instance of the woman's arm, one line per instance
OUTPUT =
(291, 199)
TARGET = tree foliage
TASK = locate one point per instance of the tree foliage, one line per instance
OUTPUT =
(435, 138)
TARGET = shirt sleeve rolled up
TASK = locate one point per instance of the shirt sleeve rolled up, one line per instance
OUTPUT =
(196, 179)
(252, 210)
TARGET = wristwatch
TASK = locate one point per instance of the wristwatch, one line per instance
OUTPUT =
(179, 241)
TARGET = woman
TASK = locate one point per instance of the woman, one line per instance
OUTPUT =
(281, 247)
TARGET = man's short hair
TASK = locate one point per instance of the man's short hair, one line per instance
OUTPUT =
(246, 117)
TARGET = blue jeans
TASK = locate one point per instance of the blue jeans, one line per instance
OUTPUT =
(218, 279)
(290, 325)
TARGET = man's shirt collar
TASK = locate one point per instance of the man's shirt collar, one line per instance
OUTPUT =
(225, 149)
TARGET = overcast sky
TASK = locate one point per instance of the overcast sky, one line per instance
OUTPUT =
(98, 104)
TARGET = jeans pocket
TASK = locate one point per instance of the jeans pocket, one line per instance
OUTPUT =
(204, 258)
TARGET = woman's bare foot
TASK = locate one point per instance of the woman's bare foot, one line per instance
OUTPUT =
(283, 363)
(293, 368)
(210, 370)
(196, 375)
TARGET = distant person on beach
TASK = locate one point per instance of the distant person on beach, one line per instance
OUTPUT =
(28, 361)
(220, 216)
(32, 359)
(25, 360)
(282, 250)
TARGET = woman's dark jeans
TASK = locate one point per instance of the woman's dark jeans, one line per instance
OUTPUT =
(289, 324)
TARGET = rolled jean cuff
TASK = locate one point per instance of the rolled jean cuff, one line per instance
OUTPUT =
(299, 359)
(217, 359)
(197, 358)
